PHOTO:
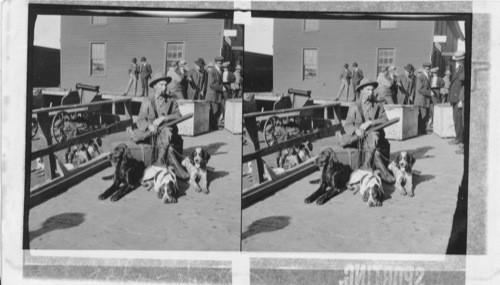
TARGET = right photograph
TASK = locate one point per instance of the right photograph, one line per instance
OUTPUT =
(354, 133)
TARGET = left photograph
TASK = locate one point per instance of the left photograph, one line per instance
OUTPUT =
(135, 126)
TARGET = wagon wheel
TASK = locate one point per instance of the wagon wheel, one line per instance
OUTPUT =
(269, 127)
(34, 127)
(62, 127)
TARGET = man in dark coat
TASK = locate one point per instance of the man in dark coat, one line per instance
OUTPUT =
(366, 113)
(455, 96)
(145, 73)
(357, 76)
(405, 85)
(197, 81)
(215, 92)
(423, 96)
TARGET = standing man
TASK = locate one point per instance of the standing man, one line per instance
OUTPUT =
(456, 98)
(176, 73)
(423, 97)
(197, 81)
(385, 85)
(366, 113)
(393, 79)
(345, 80)
(214, 92)
(446, 88)
(357, 76)
(133, 75)
(145, 72)
(238, 83)
(405, 85)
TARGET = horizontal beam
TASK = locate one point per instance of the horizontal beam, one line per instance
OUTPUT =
(116, 97)
(75, 106)
(291, 110)
(326, 132)
(114, 128)
(268, 188)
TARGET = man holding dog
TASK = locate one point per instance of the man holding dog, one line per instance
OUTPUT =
(366, 113)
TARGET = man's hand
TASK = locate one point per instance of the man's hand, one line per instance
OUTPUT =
(460, 105)
(365, 125)
(359, 132)
(152, 128)
(158, 121)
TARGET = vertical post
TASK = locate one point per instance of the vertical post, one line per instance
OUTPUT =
(251, 126)
(50, 163)
(128, 109)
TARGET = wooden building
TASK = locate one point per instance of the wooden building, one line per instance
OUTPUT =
(46, 67)
(310, 54)
(97, 50)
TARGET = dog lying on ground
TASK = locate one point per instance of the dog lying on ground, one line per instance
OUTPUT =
(128, 171)
(369, 184)
(164, 182)
(334, 175)
(401, 167)
(196, 166)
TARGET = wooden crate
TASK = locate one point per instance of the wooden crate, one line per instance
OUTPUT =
(198, 124)
(443, 125)
(233, 116)
(407, 126)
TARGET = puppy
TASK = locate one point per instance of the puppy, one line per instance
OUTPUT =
(128, 171)
(196, 166)
(334, 175)
(369, 184)
(164, 182)
(401, 167)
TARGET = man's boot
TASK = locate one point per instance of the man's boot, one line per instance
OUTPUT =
(379, 163)
(179, 170)
(161, 158)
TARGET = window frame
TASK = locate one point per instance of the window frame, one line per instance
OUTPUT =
(91, 59)
(167, 20)
(392, 28)
(98, 25)
(166, 51)
(377, 58)
(303, 67)
(310, 31)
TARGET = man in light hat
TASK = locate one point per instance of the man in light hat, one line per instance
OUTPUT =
(215, 91)
(357, 76)
(456, 96)
(237, 86)
(178, 75)
(197, 81)
(345, 81)
(366, 113)
(405, 86)
(156, 110)
(145, 71)
(423, 96)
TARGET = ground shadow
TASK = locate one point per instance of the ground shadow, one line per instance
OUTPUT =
(211, 148)
(418, 177)
(58, 222)
(267, 224)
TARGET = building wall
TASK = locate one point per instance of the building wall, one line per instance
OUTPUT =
(338, 44)
(46, 67)
(128, 37)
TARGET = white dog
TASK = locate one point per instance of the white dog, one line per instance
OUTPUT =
(164, 182)
(369, 184)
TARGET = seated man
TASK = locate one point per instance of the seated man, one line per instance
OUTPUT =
(159, 108)
(367, 112)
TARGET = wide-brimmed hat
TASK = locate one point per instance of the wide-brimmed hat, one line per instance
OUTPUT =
(459, 55)
(434, 69)
(182, 62)
(200, 62)
(427, 64)
(409, 67)
(238, 67)
(143, 58)
(159, 76)
(219, 58)
(355, 64)
(226, 64)
(365, 82)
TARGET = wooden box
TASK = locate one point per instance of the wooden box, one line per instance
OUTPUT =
(140, 151)
(443, 125)
(233, 116)
(407, 126)
(198, 124)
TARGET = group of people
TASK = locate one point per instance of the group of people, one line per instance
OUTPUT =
(369, 111)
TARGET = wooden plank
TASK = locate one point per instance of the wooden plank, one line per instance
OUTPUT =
(330, 131)
(284, 111)
(114, 128)
(259, 192)
(114, 97)
(75, 106)
(56, 186)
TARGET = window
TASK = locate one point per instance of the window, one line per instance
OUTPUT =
(175, 52)
(98, 59)
(99, 20)
(387, 25)
(310, 67)
(385, 58)
(311, 25)
(176, 20)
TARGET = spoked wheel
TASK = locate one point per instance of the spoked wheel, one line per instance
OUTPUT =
(269, 128)
(62, 127)
(34, 127)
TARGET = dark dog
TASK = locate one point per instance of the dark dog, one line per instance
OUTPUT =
(127, 171)
(334, 175)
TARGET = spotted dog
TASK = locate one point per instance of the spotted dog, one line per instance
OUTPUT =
(369, 184)
(196, 166)
(401, 167)
(164, 183)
